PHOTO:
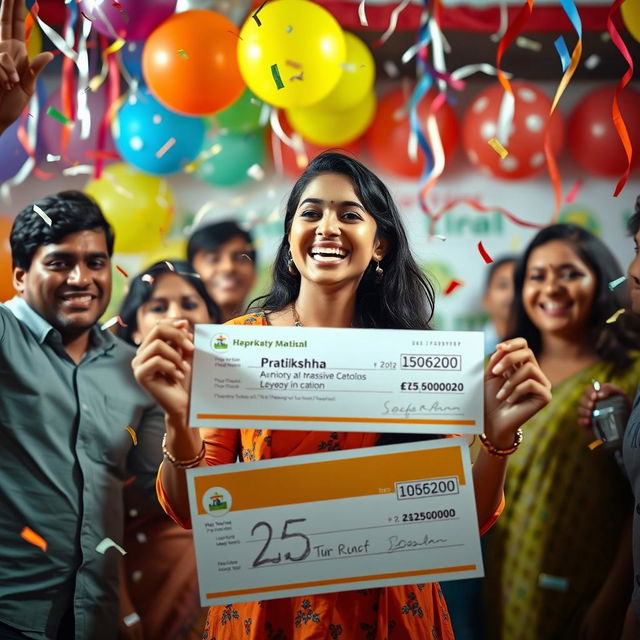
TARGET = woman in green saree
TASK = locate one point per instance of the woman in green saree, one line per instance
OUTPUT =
(554, 562)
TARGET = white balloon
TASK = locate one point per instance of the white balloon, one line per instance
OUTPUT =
(235, 10)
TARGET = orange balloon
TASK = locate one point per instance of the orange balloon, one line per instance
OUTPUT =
(190, 63)
(6, 278)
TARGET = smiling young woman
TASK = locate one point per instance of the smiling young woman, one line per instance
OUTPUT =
(344, 261)
(552, 560)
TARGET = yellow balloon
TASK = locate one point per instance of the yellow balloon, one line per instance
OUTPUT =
(173, 249)
(294, 58)
(34, 46)
(630, 10)
(359, 72)
(332, 128)
(138, 206)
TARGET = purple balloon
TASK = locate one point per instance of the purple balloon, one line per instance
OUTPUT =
(78, 150)
(12, 153)
(127, 19)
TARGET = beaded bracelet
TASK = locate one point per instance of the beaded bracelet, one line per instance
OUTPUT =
(181, 464)
(494, 451)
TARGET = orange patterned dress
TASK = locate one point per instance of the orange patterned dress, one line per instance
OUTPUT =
(412, 612)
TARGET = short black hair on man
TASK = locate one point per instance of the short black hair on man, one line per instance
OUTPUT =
(212, 236)
(633, 226)
(70, 212)
(496, 264)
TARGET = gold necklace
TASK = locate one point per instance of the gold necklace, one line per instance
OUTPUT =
(296, 317)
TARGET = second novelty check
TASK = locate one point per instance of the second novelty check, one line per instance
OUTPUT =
(324, 379)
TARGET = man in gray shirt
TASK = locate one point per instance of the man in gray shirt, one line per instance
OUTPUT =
(68, 407)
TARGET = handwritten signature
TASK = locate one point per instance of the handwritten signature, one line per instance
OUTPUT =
(418, 409)
(396, 543)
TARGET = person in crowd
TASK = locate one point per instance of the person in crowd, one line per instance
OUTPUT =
(68, 408)
(223, 254)
(160, 582)
(18, 75)
(629, 574)
(344, 261)
(553, 559)
(497, 299)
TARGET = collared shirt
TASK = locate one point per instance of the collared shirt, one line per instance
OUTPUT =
(64, 455)
(631, 454)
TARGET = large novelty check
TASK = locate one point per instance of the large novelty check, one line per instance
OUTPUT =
(380, 516)
(337, 379)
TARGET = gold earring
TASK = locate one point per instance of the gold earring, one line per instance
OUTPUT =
(292, 265)
(379, 272)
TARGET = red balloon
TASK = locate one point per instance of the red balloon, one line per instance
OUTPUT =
(526, 142)
(593, 139)
(388, 135)
(6, 278)
(284, 153)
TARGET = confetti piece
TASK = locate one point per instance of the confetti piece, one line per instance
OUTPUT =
(615, 316)
(33, 538)
(295, 65)
(276, 76)
(390, 69)
(133, 513)
(526, 43)
(592, 61)
(496, 145)
(148, 278)
(136, 576)
(141, 537)
(170, 266)
(595, 384)
(298, 76)
(122, 271)
(483, 252)
(109, 323)
(596, 443)
(165, 147)
(183, 54)
(107, 543)
(573, 192)
(563, 52)
(131, 619)
(289, 29)
(451, 287)
(362, 14)
(443, 238)
(556, 583)
(121, 322)
(52, 158)
(132, 432)
(256, 12)
(42, 214)
(256, 172)
(54, 113)
(614, 283)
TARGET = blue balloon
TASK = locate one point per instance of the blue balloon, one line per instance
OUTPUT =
(131, 58)
(152, 138)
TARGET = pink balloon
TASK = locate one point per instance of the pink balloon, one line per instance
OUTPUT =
(127, 19)
(78, 151)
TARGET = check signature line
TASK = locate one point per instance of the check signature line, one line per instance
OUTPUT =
(375, 526)
(361, 555)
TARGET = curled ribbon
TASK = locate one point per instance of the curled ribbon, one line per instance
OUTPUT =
(618, 120)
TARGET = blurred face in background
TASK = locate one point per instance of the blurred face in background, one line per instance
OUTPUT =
(499, 295)
(228, 273)
(633, 273)
(559, 290)
(172, 298)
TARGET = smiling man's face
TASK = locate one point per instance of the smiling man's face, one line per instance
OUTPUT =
(68, 283)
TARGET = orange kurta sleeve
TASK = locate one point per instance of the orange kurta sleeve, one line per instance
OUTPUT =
(492, 520)
(221, 447)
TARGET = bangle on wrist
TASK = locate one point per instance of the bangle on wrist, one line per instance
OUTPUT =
(181, 464)
(501, 453)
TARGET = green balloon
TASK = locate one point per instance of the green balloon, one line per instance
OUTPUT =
(233, 155)
(242, 116)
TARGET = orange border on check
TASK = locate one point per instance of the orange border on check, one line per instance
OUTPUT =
(220, 416)
(320, 583)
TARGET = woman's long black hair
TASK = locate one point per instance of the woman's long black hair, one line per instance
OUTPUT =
(404, 298)
(612, 342)
(140, 291)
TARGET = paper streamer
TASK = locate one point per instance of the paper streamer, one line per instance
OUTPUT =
(618, 281)
(483, 252)
(362, 14)
(615, 316)
(393, 23)
(563, 52)
(618, 121)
